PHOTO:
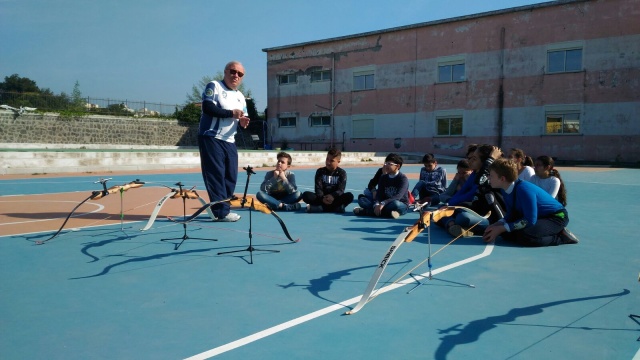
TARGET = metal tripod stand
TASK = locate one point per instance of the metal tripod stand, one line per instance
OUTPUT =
(184, 224)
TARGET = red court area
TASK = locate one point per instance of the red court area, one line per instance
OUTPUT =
(47, 212)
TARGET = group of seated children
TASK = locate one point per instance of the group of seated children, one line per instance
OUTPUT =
(534, 216)
(278, 189)
(485, 183)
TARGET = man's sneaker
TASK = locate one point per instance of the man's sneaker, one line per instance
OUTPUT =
(395, 214)
(358, 211)
(231, 217)
(568, 237)
(457, 230)
(314, 208)
(340, 209)
(291, 207)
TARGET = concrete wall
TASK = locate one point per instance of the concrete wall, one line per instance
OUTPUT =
(506, 90)
(90, 130)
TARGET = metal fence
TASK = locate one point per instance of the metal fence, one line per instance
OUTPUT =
(89, 105)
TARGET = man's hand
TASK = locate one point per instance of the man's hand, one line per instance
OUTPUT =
(244, 121)
(237, 113)
(327, 199)
(378, 209)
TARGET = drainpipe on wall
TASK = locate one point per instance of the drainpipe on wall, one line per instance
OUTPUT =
(333, 96)
(501, 89)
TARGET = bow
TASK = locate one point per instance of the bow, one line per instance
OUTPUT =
(257, 205)
(407, 235)
(178, 193)
(204, 207)
(95, 195)
(237, 202)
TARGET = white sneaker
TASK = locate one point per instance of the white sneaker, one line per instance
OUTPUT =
(231, 217)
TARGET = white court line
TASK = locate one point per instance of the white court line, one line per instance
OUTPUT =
(340, 306)
(100, 207)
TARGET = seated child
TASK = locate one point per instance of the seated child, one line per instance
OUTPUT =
(370, 191)
(549, 179)
(524, 163)
(392, 197)
(433, 180)
(330, 182)
(533, 217)
(278, 190)
(462, 174)
(474, 196)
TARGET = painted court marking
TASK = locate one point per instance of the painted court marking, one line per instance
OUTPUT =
(340, 306)
(99, 208)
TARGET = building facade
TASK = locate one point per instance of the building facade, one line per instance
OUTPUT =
(560, 78)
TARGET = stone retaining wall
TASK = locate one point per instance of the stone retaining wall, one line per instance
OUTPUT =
(95, 129)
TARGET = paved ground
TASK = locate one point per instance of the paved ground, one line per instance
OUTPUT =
(105, 290)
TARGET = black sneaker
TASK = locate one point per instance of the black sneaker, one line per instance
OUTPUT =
(459, 231)
(291, 207)
(568, 237)
(314, 209)
(340, 209)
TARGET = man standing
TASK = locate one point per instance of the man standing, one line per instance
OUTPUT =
(223, 107)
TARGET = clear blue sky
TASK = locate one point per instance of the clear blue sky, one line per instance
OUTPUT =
(155, 51)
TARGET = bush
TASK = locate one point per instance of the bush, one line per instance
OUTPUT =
(190, 113)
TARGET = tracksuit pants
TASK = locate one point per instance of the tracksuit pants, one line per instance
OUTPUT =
(219, 164)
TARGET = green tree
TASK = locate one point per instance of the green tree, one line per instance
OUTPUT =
(190, 113)
(15, 83)
(76, 97)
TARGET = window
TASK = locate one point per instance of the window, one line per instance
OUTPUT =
(320, 121)
(364, 80)
(287, 79)
(287, 121)
(562, 122)
(564, 57)
(451, 69)
(449, 126)
(362, 128)
(564, 60)
(322, 75)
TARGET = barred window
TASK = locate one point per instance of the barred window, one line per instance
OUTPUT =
(287, 122)
(449, 126)
(287, 79)
(323, 75)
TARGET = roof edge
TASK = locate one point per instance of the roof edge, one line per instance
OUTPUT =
(429, 23)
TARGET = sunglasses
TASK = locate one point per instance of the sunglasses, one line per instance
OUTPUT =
(236, 72)
(390, 164)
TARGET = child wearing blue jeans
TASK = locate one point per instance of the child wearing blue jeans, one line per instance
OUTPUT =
(392, 196)
(278, 190)
(433, 180)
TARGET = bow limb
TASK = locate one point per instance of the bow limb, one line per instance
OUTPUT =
(257, 205)
(91, 197)
(120, 188)
(407, 235)
(284, 227)
(442, 248)
(156, 210)
(366, 296)
(199, 211)
(425, 221)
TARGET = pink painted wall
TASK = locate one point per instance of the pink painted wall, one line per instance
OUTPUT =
(407, 96)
